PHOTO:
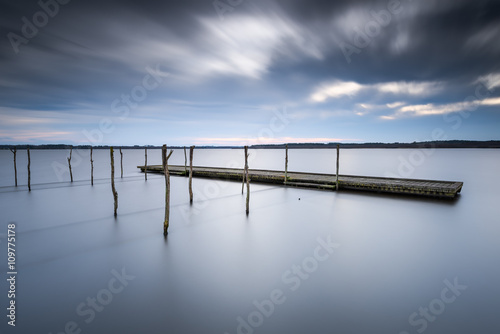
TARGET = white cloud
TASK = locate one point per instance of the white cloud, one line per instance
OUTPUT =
(491, 80)
(494, 101)
(441, 109)
(366, 105)
(242, 45)
(409, 88)
(395, 105)
(362, 109)
(245, 46)
(432, 109)
(336, 89)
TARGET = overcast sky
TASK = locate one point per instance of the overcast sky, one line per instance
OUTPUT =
(235, 72)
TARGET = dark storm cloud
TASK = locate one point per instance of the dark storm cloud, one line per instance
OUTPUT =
(424, 40)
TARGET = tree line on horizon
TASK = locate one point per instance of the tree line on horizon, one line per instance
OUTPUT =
(422, 144)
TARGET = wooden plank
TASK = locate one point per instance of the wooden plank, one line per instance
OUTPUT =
(428, 188)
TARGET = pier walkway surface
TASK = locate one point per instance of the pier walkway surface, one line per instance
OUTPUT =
(428, 188)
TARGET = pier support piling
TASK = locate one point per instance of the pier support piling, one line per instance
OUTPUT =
(247, 180)
(191, 149)
(91, 167)
(244, 173)
(121, 163)
(164, 159)
(69, 163)
(113, 189)
(337, 173)
(146, 164)
(29, 169)
(14, 151)
(286, 163)
(185, 161)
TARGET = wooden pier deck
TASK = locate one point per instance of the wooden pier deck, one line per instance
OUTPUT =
(428, 188)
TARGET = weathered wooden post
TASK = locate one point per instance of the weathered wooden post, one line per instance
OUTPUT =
(91, 168)
(14, 151)
(286, 163)
(244, 172)
(121, 163)
(191, 149)
(164, 159)
(69, 163)
(113, 189)
(185, 161)
(146, 164)
(247, 179)
(29, 168)
(337, 174)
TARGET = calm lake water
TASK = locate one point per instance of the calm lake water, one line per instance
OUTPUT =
(303, 261)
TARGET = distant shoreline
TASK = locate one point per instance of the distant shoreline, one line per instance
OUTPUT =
(419, 145)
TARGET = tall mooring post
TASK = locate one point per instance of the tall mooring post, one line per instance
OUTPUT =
(91, 168)
(29, 169)
(286, 163)
(146, 164)
(247, 180)
(185, 161)
(191, 149)
(69, 164)
(164, 160)
(244, 171)
(337, 173)
(14, 151)
(121, 163)
(113, 189)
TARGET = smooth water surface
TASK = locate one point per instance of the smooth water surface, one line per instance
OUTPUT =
(388, 268)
